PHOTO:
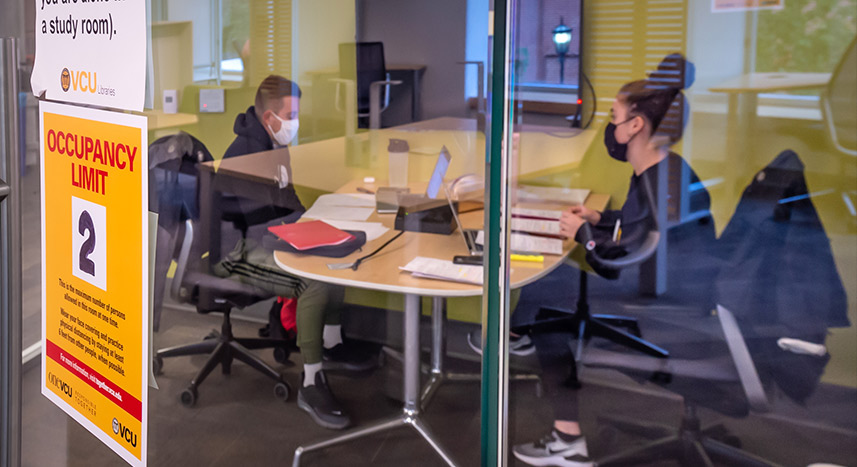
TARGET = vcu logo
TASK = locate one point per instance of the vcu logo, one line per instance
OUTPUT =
(65, 79)
(60, 384)
(84, 81)
(125, 433)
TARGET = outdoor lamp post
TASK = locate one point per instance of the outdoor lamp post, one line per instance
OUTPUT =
(561, 36)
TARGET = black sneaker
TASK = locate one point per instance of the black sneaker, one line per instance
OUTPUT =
(321, 405)
(351, 357)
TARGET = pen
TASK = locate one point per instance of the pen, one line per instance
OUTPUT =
(617, 231)
(364, 190)
(528, 258)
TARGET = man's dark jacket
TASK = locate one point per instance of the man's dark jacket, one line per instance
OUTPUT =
(251, 137)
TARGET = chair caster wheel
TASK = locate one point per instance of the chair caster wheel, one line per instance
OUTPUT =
(188, 396)
(281, 354)
(281, 391)
(157, 365)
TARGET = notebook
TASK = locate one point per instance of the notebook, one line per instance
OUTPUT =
(307, 235)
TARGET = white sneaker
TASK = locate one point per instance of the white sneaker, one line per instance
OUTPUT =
(518, 345)
(553, 450)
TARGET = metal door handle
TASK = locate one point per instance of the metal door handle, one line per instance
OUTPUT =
(4, 190)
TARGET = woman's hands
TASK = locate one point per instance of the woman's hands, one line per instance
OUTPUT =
(573, 217)
(589, 215)
(569, 224)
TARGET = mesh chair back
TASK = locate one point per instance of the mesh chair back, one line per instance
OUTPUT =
(366, 59)
(841, 100)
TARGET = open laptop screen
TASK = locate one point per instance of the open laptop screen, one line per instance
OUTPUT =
(439, 172)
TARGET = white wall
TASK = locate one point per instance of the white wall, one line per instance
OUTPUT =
(320, 26)
(715, 44)
(431, 33)
(198, 11)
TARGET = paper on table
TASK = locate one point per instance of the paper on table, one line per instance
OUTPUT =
(537, 213)
(344, 213)
(523, 243)
(548, 227)
(373, 229)
(346, 199)
(433, 268)
(561, 195)
(342, 206)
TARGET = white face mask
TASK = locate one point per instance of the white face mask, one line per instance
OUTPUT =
(288, 130)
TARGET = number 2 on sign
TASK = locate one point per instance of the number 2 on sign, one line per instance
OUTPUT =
(89, 242)
(85, 224)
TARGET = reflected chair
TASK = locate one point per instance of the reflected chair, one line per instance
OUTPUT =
(366, 59)
(691, 443)
(777, 279)
(838, 101)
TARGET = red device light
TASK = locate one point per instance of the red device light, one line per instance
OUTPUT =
(579, 101)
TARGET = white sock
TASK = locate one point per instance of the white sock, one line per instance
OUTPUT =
(309, 373)
(332, 335)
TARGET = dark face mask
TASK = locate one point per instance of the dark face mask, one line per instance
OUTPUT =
(615, 149)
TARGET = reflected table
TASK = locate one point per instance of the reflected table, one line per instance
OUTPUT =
(382, 273)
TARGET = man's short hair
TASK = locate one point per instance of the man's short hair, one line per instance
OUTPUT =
(271, 92)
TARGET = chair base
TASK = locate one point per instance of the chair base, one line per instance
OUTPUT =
(222, 350)
(690, 444)
(584, 325)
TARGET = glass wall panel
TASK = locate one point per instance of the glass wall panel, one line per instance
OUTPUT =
(312, 194)
(665, 191)
(712, 315)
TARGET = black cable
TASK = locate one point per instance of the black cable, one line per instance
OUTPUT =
(594, 100)
(360, 260)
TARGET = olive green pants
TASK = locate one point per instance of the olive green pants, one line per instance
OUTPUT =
(319, 304)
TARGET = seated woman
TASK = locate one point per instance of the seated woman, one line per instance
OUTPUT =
(633, 136)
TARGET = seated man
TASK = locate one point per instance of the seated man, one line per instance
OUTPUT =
(271, 123)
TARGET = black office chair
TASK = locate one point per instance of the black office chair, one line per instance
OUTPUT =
(777, 279)
(585, 325)
(215, 294)
(173, 195)
(367, 60)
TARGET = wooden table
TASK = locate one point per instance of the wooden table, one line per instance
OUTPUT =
(330, 164)
(770, 82)
(543, 150)
(382, 273)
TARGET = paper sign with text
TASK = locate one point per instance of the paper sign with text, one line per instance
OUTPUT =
(91, 52)
(722, 6)
(94, 174)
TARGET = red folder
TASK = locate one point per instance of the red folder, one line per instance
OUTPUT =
(307, 235)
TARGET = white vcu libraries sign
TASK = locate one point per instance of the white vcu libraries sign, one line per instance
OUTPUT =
(91, 52)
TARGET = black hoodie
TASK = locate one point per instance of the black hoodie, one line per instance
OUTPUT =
(251, 137)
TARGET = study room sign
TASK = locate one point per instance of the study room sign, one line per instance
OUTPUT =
(94, 174)
(91, 52)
